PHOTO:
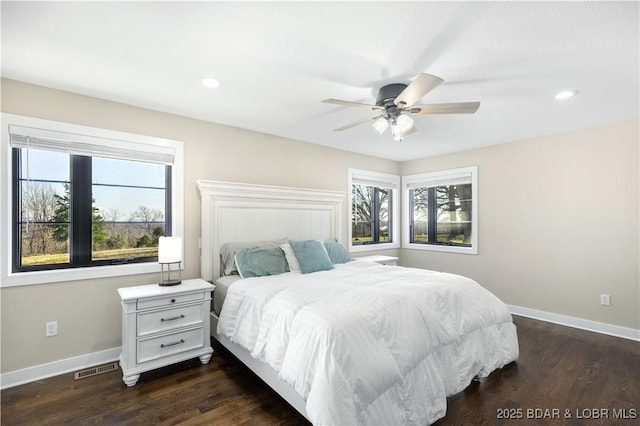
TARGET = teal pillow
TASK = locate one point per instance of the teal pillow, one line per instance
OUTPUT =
(336, 252)
(260, 261)
(311, 255)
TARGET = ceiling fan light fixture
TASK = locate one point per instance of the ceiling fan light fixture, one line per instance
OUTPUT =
(397, 132)
(380, 125)
(404, 122)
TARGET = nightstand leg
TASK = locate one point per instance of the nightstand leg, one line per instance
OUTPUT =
(130, 379)
(205, 358)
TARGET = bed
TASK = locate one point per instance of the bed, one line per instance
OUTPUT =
(344, 342)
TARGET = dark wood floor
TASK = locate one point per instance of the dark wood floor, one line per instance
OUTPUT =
(561, 372)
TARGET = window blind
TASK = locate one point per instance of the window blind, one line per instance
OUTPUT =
(70, 143)
(373, 181)
(441, 180)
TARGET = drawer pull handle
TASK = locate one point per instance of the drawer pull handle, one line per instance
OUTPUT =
(172, 344)
(173, 300)
(172, 318)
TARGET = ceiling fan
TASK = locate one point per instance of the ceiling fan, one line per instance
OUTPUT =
(395, 102)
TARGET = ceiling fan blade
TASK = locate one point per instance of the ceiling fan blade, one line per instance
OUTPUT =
(352, 104)
(357, 123)
(423, 84)
(450, 108)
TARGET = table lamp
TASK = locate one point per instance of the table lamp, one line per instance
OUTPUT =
(169, 253)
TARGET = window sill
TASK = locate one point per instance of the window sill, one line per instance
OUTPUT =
(76, 274)
(443, 248)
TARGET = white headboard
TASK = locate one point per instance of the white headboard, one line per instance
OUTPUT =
(239, 212)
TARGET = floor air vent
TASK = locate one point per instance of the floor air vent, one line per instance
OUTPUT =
(94, 371)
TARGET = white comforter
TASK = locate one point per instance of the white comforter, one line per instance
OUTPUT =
(371, 344)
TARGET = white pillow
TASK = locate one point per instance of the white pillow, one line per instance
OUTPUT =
(294, 266)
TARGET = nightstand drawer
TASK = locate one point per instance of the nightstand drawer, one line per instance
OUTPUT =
(169, 319)
(169, 300)
(158, 347)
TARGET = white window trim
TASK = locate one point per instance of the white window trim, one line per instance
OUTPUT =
(408, 181)
(383, 179)
(11, 279)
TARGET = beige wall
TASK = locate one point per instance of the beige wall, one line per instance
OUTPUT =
(88, 312)
(558, 218)
(559, 222)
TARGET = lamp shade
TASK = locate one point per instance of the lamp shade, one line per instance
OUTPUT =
(169, 249)
(397, 132)
(404, 122)
(380, 125)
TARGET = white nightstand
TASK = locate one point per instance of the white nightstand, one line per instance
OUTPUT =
(379, 258)
(164, 325)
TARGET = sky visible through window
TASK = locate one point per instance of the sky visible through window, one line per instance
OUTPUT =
(146, 177)
(109, 175)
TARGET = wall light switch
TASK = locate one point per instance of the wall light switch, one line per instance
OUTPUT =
(605, 299)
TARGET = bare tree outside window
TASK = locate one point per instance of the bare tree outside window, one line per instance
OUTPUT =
(370, 214)
(442, 214)
(39, 239)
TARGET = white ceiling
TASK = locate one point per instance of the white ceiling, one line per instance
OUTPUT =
(278, 61)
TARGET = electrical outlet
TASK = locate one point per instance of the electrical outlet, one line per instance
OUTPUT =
(605, 300)
(51, 329)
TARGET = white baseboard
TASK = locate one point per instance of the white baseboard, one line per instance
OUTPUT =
(583, 324)
(55, 368)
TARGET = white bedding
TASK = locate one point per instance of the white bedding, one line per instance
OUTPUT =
(371, 344)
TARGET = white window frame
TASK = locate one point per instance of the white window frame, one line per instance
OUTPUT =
(384, 180)
(430, 178)
(8, 278)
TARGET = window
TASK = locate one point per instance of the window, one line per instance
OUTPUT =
(442, 211)
(125, 230)
(118, 208)
(371, 207)
(86, 197)
(374, 201)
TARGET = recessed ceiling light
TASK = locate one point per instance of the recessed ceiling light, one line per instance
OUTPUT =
(211, 82)
(566, 94)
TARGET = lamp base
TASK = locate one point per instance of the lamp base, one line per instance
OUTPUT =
(169, 283)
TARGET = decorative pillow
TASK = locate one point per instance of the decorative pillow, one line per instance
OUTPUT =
(336, 252)
(294, 266)
(228, 253)
(311, 255)
(258, 262)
